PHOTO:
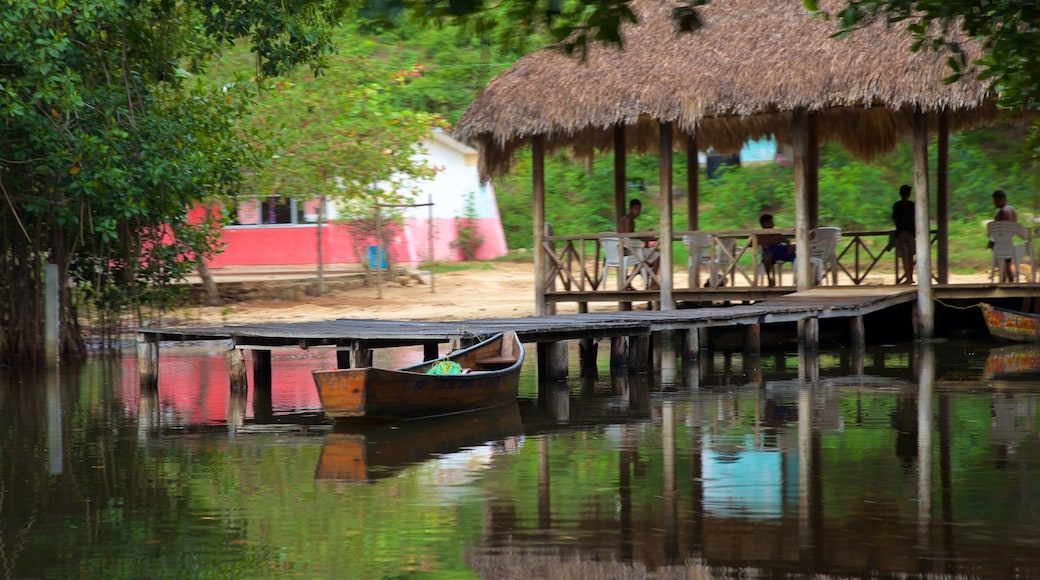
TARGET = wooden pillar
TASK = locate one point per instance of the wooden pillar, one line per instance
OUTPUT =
(942, 201)
(799, 138)
(587, 351)
(691, 344)
(552, 360)
(618, 352)
(665, 239)
(236, 409)
(262, 401)
(812, 173)
(431, 350)
(665, 350)
(925, 326)
(343, 357)
(538, 207)
(148, 361)
(693, 183)
(857, 332)
(639, 354)
(261, 369)
(809, 333)
(236, 363)
(620, 177)
(52, 316)
(362, 355)
(753, 339)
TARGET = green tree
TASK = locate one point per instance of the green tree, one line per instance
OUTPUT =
(109, 137)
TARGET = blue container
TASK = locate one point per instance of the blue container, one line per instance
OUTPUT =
(373, 251)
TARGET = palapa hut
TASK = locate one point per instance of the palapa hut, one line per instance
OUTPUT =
(753, 69)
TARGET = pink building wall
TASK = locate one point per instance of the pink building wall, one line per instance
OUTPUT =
(455, 187)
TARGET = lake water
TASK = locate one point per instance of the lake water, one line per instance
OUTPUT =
(898, 461)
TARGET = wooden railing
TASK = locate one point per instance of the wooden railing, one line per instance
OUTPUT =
(576, 263)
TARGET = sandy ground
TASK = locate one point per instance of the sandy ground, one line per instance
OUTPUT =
(494, 290)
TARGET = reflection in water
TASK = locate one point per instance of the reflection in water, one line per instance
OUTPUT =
(879, 462)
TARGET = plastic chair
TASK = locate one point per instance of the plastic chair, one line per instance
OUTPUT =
(699, 248)
(1003, 235)
(612, 259)
(823, 250)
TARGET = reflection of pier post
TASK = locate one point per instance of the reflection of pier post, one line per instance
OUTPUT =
(696, 482)
(926, 380)
(148, 413)
(626, 460)
(810, 500)
(54, 431)
(544, 489)
(671, 516)
(557, 400)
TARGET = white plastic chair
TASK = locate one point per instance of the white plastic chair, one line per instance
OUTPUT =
(699, 248)
(823, 250)
(1003, 235)
(612, 259)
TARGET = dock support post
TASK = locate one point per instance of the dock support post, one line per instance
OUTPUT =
(148, 361)
(430, 350)
(809, 333)
(236, 410)
(705, 338)
(664, 345)
(639, 354)
(691, 344)
(858, 361)
(362, 355)
(618, 352)
(343, 357)
(262, 402)
(857, 332)
(236, 362)
(552, 360)
(587, 358)
(753, 339)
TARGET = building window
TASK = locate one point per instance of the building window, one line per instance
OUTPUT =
(275, 210)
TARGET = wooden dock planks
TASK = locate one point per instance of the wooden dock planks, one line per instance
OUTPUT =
(374, 333)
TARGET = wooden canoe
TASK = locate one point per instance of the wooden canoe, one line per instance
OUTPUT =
(368, 451)
(1011, 324)
(491, 377)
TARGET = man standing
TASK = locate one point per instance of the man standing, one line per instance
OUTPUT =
(1005, 213)
(905, 238)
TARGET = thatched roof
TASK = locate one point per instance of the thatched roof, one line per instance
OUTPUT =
(736, 79)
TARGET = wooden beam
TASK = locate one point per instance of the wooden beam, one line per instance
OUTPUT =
(942, 201)
(665, 239)
(799, 139)
(693, 183)
(620, 177)
(925, 327)
(538, 206)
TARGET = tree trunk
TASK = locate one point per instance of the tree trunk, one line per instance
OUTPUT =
(209, 285)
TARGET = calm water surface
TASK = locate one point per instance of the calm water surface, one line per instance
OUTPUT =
(901, 461)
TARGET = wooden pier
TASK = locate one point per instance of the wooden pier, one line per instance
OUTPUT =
(629, 331)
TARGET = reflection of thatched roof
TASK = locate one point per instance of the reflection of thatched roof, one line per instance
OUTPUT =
(737, 78)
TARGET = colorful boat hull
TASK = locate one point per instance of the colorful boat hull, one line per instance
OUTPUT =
(492, 379)
(1011, 324)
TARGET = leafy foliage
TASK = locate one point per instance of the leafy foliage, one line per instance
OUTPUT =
(109, 137)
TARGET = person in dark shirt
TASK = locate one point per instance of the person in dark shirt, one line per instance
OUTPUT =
(775, 247)
(905, 238)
